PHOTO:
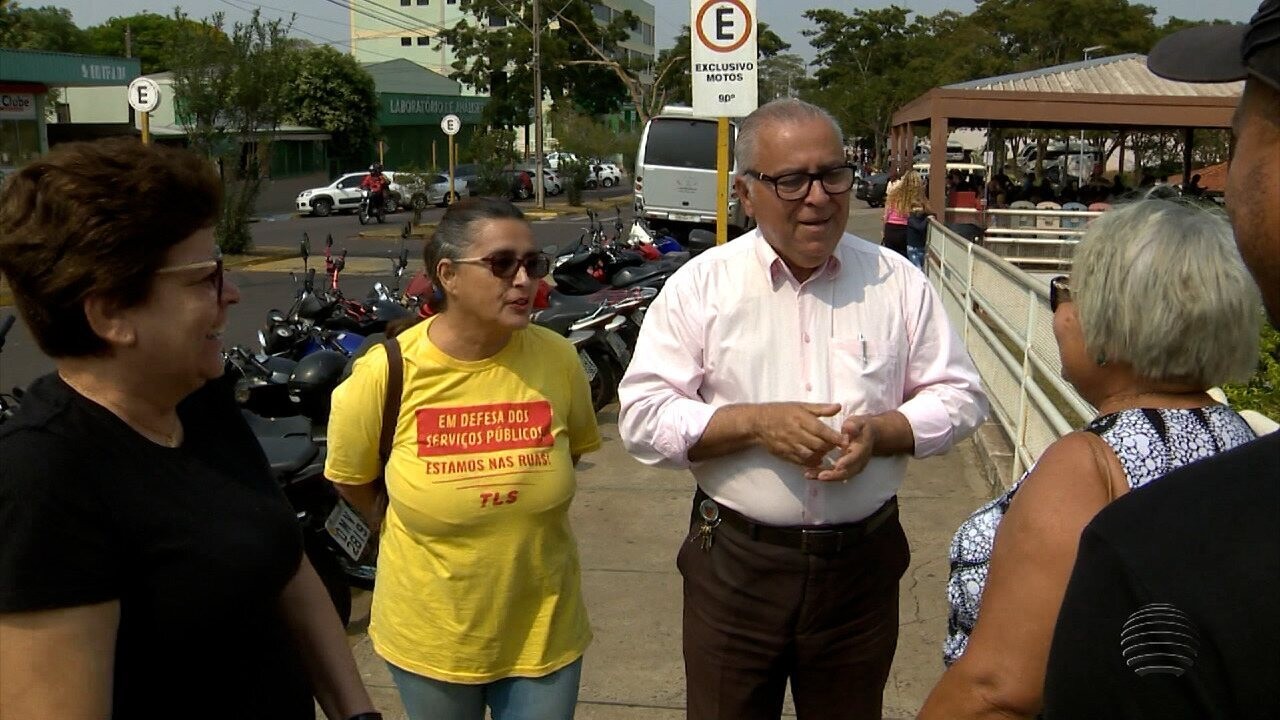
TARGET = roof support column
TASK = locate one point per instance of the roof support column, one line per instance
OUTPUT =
(1188, 141)
(938, 131)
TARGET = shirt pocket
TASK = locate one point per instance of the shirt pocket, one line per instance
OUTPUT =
(865, 375)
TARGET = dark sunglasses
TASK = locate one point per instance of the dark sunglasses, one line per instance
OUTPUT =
(506, 265)
(218, 277)
(1059, 292)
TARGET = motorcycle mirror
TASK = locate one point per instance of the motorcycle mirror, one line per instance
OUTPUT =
(408, 228)
(305, 246)
(328, 241)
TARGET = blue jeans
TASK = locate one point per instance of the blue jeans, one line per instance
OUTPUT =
(551, 697)
(915, 253)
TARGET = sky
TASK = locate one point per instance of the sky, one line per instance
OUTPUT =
(325, 20)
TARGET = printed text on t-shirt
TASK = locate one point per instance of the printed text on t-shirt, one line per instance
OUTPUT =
(484, 428)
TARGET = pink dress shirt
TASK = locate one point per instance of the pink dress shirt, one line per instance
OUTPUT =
(866, 331)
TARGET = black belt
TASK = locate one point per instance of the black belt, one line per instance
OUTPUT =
(812, 539)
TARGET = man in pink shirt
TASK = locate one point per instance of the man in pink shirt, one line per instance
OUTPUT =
(794, 370)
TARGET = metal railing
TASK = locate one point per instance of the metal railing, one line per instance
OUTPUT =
(1003, 315)
(1027, 237)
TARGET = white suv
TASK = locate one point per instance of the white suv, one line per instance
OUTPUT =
(604, 175)
(341, 195)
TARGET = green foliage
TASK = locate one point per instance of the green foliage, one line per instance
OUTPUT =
(152, 35)
(781, 75)
(574, 174)
(872, 62)
(331, 91)
(587, 137)
(1262, 392)
(230, 94)
(494, 151)
(676, 83)
(46, 28)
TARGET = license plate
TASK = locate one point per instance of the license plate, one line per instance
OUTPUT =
(619, 347)
(684, 217)
(589, 366)
(347, 528)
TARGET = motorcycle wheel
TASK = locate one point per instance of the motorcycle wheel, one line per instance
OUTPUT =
(604, 381)
(363, 216)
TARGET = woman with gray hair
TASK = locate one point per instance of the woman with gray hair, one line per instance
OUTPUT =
(478, 599)
(1159, 308)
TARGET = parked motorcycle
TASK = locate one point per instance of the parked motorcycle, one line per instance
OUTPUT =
(335, 537)
(8, 401)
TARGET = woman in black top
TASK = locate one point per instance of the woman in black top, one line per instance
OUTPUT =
(149, 565)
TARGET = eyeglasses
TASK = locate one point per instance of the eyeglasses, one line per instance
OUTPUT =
(1059, 292)
(218, 277)
(795, 186)
(506, 264)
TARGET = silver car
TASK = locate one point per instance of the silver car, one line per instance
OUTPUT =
(420, 190)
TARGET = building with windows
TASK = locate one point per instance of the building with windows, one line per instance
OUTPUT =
(386, 29)
(26, 79)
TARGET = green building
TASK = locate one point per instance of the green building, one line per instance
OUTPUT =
(26, 78)
(412, 101)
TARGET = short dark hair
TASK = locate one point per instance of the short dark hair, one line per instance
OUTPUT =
(97, 219)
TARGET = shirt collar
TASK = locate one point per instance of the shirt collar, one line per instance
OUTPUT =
(778, 272)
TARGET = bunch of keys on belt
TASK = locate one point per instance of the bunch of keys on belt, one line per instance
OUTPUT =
(710, 513)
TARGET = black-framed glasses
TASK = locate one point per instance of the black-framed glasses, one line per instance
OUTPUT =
(795, 186)
(506, 264)
(218, 277)
(1059, 292)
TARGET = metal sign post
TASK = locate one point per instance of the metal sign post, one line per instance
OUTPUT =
(723, 58)
(144, 96)
(451, 124)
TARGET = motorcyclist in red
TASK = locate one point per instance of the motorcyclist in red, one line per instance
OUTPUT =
(376, 183)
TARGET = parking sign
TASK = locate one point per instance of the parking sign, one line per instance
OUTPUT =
(723, 57)
(450, 124)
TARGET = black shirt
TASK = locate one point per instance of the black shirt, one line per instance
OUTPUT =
(196, 543)
(1173, 610)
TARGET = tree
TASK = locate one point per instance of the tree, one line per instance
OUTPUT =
(47, 28)
(872, 62)
(584, 60)
(676, 82)
(781, 75)
(331, 91)
(230, 94)
(152, 35)
(1032, 34)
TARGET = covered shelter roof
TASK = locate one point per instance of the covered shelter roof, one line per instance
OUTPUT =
(1111, 93)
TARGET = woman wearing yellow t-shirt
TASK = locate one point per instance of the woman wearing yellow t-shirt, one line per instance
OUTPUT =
(478, 600)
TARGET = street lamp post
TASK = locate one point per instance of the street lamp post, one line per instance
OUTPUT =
(538, 187)
(1087, 50)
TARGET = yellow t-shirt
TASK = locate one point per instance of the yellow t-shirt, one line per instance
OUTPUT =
(478, 573)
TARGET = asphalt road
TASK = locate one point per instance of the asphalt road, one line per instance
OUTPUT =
(271, 286)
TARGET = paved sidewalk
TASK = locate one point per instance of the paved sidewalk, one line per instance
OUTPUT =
(630, 521)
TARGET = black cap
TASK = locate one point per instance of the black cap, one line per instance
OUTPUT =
(1223, 53)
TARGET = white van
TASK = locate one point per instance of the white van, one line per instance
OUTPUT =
(675, 183)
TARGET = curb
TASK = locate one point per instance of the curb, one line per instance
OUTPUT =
(392, 233)
(995, 456)
(229, 262)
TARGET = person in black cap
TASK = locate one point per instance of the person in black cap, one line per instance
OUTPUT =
(1171, 611)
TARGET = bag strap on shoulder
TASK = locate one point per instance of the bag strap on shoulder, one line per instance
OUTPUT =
(391, 403)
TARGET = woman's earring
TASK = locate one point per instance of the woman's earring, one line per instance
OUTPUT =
(1102, 359)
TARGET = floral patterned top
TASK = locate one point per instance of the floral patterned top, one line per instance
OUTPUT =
(1148, 442)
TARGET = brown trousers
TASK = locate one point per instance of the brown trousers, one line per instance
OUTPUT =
(757, 615)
